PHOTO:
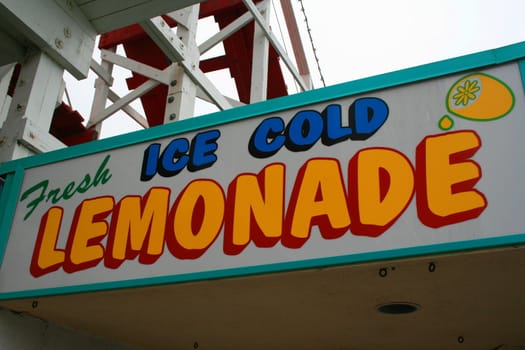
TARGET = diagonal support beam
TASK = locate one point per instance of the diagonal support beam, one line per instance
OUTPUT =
(124, 101)
(275, 43)
(130, 111)
(227, 31)
(174, 49)
(135, 66)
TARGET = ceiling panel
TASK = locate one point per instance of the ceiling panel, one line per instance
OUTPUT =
(106, 15)
(469, 300)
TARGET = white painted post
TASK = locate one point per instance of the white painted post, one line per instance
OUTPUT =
(182, 91)
(259, 83)
(26, 128)
(6, 72)
(101, 92)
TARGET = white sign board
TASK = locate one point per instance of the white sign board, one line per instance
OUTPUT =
(431, 166)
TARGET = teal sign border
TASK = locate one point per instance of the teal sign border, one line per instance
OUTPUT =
(12, 172)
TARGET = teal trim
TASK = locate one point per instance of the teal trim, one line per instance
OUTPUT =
(410, 75)
(484, 243)
(11, 189)
(521, 64)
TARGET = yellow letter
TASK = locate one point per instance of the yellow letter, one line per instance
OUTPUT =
(88, 229)
(445, 179)
(197, 218)
(46, 258)
(138, 227)
(381, 185)
(255, 209)
(318, 198)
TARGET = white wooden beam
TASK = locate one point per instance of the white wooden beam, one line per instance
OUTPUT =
(227, 31)
(101, 72)
(102, 84)
(135, 66)
(107, 15)
(182, 90)
(6, 72)
(275, 43)
(26, 128)
(233, 102)
(124, 101)
(174, 49)
(57, 27)
(130, 111)
(259, 83)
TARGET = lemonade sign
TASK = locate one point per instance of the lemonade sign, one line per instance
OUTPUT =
(336, 176)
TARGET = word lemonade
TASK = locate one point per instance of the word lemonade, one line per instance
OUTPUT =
(380, 184)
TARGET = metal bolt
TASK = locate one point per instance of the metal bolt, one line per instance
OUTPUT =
(59, 43)
(67, 32)
(383, 272)
(19, 107)
(173, 116)
(173, 82)
(195, 345)
(34, 304)
(461, 339)
(171, 99)
(431, 267)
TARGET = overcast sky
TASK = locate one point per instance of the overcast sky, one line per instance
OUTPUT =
(356, 39)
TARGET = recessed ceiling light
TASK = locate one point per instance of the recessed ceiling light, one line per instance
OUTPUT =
(397, 308)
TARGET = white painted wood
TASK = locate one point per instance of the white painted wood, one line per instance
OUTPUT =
(10, 49)
(227, 31)
(101, 93)
(182, 90)
(124, 101)
(101, 72)
(275, 43)
(6, 73)
(259, 83)
(174, 49)
(135, 66)
(160, 32)
(31, 109)
(56, 27)
(106, 15)
(130, 111)
(233, 102)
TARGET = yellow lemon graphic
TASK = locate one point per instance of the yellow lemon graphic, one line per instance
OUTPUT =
(480, 97)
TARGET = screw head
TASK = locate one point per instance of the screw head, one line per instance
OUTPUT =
(171, 99)
(383, 272)
(59, 43)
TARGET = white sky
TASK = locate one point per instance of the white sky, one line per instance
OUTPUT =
(356, 39)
